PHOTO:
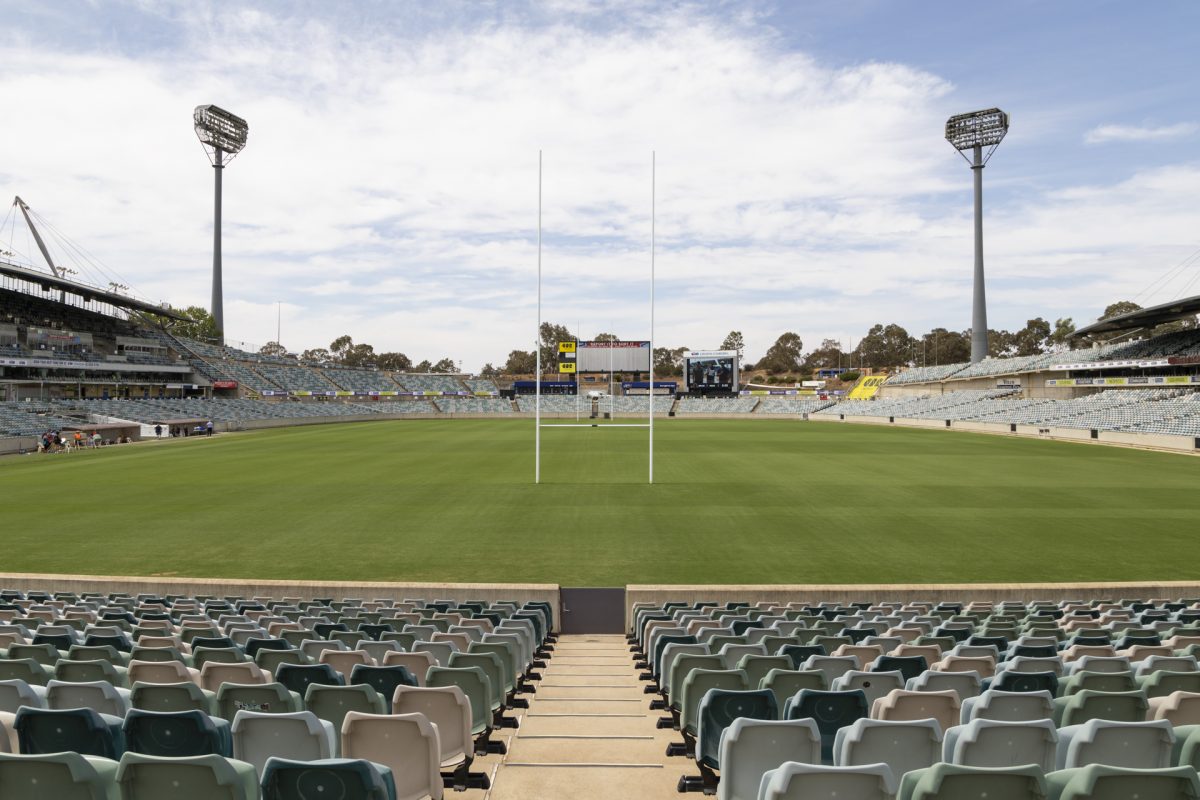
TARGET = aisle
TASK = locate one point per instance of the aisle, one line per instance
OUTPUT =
(589, 731)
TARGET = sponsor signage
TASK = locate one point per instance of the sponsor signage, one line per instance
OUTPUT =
(566, 368)
(1140, 380)
(614, 345)
(225, 384)
(94, 366)
(710, 354)
(1132, 362)
(566, 347)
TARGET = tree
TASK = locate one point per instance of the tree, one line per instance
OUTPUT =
(424, 366)
(1000, 344)
(828, 356)
(520, 362)
(489, 371)
(1060, 338)
(397, 362)
(200, 325)
(360, 355)
(607, 337)
(340, 346)
(1031, 340)
(668, 360)
(885, 346)
(317, 355)
(445, 365)
(272, 349)
(941, 346)
(551, 335)
(1118, 308)
(734, 341)
(785, 355)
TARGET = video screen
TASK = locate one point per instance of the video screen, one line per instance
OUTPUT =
(713, 374)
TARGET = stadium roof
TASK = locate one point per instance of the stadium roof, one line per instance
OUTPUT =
(1145, 317)
(83, 290)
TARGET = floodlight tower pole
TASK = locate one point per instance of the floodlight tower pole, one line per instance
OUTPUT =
(218, 300)
(979, 326)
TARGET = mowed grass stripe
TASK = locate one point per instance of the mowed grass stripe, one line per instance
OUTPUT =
(735, 501)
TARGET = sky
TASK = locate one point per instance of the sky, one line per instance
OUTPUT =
(801, 180)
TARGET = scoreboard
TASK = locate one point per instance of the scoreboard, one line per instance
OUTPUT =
(566, 358)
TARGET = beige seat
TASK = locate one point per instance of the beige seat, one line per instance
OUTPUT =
(985, 666)
(407, 743)
(448, 708)
(901, 704)
(1138, 652)
(8, 733)
(866, 653)
(416, 663)
(1076, 651)
(312, 648)
(1178, 708)
(215, 673)
(161, 672)
(930, 652)
(460, 640)
(344, 661)
(298, 735)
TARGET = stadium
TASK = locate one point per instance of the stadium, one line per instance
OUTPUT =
(232, 571)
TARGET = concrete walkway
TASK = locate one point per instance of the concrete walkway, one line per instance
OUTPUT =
(588, 732)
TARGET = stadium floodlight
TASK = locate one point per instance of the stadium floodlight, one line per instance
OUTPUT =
(975, 131)
(223, 135)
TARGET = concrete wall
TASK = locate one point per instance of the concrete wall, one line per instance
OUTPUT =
(247, 587)
(16, 444)
(933, 592)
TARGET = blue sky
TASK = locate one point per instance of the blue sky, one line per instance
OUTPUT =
(389, 186)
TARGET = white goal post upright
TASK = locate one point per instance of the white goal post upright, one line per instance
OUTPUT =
(537, 439)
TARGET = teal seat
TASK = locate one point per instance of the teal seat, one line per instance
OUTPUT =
(680, 669)
(696, 685)
(184, 696)
(719, 708)
(954, 782)
(787, 682)
(332, 703)
(492, 666)
(756, 667)
(475, 685)
(1087, 704)
(30, 670)
(192, 778)
(1099, 782)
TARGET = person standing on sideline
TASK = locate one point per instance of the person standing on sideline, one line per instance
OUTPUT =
(208, 428)
(158, 431)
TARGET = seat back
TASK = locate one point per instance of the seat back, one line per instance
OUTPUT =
(266, 698)
(191, 778)
(79, 730)
(750, 747)
(901, 704)
(448, 708)
(298, 677)
(902, 745)
(697, 684)
(332, 703)
(383, 679)
(474, 684)
(873, 684)
(1008, 706)
(1101, 782)
(100, 696)
(15, 693)
(158, 672)
(794, 781)
(63, 776)
(416, 663)
(1011, 681)
(1088, 705)
(1140, 745)
(213, 674)
(719, 708)
(298, 735)
(175, 734)
(944, 781)
(830, 710)
(181, 696)
(405, 743)
(999, 743)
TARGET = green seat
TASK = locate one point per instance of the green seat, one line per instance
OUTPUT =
(297, 638)
(405, 640)
(332, 703)
(29, 670)
(63, 776)
(683, 665)
(266, 698)
(190, 778)
(350, 638)
(1099, 782)
(475, 685)
(98, 652)
(1098, 682)
(786, 682)
(157, 654)
(45, 654)
(270, 660)
(508, 658)
(697, 683)
(1186, 751)
(756, 667)
(492, 666)
(220, 655)
(184, 696)
(1087, 704)
(89, 671)
(944, 781)
(1161, 683)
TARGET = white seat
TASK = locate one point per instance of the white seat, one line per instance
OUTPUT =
(793, 781)
(1141, 745)
(902, 745)
(100, 696)
(998, 743)
(298, 735)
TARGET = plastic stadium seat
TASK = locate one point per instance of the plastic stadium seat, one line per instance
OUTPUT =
(68, 776)
(794, 781)
(1013, 681)
(670, 655)
(212, 675)
(833, 666)
(267, 698)
(964, 684)
(343, 661)
(441, 651)
(696, 686)
(681, 668)
(998, 743)
(901, 704)
(89, 672)
(1098, 682)
(717, 711)
(271, 660)
(16, 693)
(474, 684)
(298, 735)
(383, 679)
(491, 666)
(873, 684)
(903, 746)
(99, 696)
(1088, 705)
(332, 703)
(1166, 663)
(345, 779)
(756, 667)
(405, 743)
(143, 777)
(183, 696)
(1140, 745)
(1163, 682)
(1178, 708)
(1099, 664)
(161, 672)
(28, 670)
(1098, 782)
(1008, 706)
(908, 666)
(80, 730)
(955, 782)
(175, 734)
(416, 663)
(298, 677)
(786, 682)
(751, 747)
(830, 710)
(447, 708)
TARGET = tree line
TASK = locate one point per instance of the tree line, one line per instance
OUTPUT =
(885, 346)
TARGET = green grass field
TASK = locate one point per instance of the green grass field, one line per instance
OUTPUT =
(773, 501)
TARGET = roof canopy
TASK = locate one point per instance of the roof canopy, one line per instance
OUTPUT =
(48, 281)
(1144, 317)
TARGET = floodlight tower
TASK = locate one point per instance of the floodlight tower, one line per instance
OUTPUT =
(223, 135)
(975, 131)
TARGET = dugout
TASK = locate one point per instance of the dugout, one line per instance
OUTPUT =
(109, 431)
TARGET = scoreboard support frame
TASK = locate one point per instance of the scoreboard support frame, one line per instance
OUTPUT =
(538, 424)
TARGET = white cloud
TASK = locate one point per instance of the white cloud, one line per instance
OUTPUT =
(1102, 134)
